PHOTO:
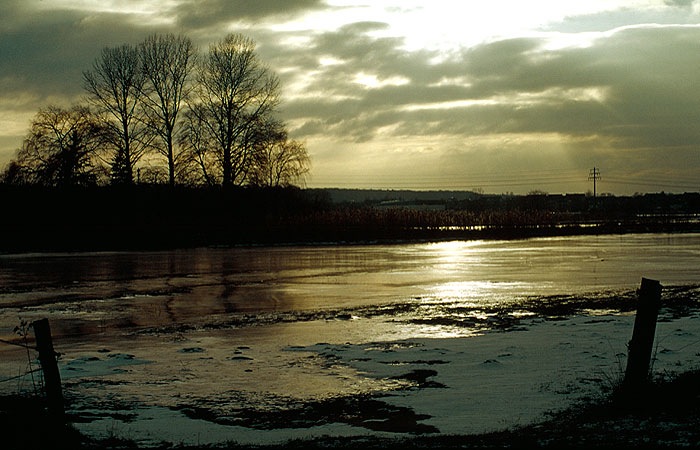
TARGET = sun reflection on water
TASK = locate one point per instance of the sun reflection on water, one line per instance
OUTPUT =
(473, 293)
(441, 332)
(466, 297)
(453, 254)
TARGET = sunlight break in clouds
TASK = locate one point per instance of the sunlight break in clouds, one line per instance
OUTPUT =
(449, 25)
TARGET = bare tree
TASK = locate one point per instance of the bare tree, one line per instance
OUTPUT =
(115, 86)
(198, 142)
(289, 164)
(61, 148)
(167, 61)
(234, 91)
(279, 161)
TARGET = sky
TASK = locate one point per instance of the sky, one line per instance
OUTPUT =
(488, 95)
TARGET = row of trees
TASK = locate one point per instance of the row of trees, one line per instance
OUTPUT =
(166, 110)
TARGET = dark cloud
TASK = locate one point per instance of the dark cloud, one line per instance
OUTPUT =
(680, 3)
(43, 53)
(206, 13)
(48, 51)
(633, 88)
(680, 12)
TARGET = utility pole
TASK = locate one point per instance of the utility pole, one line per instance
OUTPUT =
(594, 174)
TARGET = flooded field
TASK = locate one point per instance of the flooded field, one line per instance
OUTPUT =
(263, 344)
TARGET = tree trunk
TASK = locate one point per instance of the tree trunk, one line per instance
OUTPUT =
(227, 167)
(171, 161)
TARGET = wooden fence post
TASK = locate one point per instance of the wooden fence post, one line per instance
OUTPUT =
(640, 347)
(52, 377)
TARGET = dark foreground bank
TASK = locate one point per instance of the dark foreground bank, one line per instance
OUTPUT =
(665, 415)
(152, 217)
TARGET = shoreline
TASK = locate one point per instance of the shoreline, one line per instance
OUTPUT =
(148, 217)
(668, 418)
(412, 378)
(364, 238)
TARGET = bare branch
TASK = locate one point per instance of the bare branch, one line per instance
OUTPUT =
(235, 91)
(115, 87)
(167, 61)
(61, 148)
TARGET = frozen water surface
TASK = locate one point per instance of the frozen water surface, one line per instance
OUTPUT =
(265, 344)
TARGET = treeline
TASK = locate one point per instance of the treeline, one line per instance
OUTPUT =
(148, 217)
(162, 112)
(586, 206)
(152, 216)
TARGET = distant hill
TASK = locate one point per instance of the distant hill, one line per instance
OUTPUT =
(338, 195)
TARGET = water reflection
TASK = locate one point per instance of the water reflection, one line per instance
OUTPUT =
(95, 292)
(475, 293)
(455, 255)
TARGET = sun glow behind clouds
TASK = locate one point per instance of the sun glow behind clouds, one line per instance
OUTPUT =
(140, 12)
(520, 99)
(446, 25)
(371, 81)
(112, 6)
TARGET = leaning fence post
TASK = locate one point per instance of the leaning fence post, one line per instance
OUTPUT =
(640, 347)
(52, 378)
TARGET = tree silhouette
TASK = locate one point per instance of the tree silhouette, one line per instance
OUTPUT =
(60, 149)
(167, 61)
(115, 86)
(278, 161)
(234, 92)
(211, 116)
(198, 142)
(15, 174)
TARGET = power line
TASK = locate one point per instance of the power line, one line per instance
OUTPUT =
(460, 179)
(512, 178)
(461, 184)
(652, 183)
(659, 180)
